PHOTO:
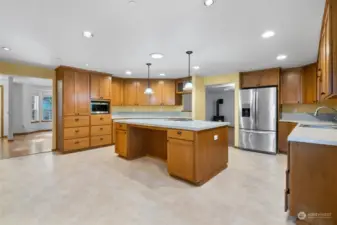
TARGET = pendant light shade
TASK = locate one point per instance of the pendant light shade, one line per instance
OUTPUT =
(148, 90)
(188, 85)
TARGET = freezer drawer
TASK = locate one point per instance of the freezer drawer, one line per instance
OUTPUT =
(264, 141)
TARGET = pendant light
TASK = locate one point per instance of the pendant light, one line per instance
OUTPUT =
(148, 90)
(188, 85)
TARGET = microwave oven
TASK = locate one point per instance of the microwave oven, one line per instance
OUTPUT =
(100, 107)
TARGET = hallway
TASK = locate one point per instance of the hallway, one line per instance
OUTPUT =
(26, 145)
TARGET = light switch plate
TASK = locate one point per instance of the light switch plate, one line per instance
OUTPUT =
(215, 137)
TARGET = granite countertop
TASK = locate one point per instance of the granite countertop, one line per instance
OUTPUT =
(194, 125)
(308, 122)
(312, 135)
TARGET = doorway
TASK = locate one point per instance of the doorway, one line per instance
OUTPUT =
(1, 111)
(220, 105)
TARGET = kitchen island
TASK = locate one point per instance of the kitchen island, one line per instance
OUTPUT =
(195, 151)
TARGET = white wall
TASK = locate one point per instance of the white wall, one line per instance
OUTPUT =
(22, 107)
(226, 109)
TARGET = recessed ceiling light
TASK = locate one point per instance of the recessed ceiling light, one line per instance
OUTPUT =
(157, 55)
(128, 72)
(88, 34)
(281, 57)
(196, 67)
(132, 3)
(209, 2)
(87, 65)
(268, 34)
(162, 74)
(6, 48)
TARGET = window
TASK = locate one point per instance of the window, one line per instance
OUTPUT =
(47, 108)
(35, 108)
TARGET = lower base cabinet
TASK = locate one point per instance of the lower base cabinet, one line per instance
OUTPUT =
(121, 143)
(76, 144)
(100, 140)
(284, 129)
(180, 158)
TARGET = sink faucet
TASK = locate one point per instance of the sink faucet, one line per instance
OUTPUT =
(325, 107)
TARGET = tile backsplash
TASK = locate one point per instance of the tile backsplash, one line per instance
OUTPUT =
(146, 109)
(309, 108)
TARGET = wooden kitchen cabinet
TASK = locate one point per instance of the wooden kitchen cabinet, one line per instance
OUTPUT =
(69, 91)
(164, 92)
(309, 84)
(291, 86)
(180, 158)
(117, 87)
(260, 78)
(134, 92)
(100, 86)
(121, 143)
(284, 129)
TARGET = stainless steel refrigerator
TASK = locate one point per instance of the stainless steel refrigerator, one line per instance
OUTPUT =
(258, 119)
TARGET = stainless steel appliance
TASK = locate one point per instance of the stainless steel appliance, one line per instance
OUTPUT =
(100, 107)
(258, 119)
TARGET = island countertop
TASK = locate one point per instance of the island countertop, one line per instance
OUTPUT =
(192, 125)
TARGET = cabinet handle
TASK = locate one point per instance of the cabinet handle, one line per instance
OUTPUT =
(323, 93)
(77, 142)
(76, 131)
(101, 139)
(101, 118)
(77, 119)
(101, 128)
(179, 132)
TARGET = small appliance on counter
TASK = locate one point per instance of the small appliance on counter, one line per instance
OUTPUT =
(217, 117)
(100, 107)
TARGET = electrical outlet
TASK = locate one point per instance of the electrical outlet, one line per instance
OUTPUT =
(215, 137)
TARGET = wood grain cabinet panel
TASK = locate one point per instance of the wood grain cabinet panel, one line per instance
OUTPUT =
(180, 158)
(142, 99)
(100, 119)
(250, 80)
(157, 97)
(260, 78)
(82, 93)
(309, 84)
(284, 129)
(116, 95)
(95, 86)
(168, 92)
(69, 93)
(76, 144)
(76, 132)
(105, 87)
(121, 143)
(291, 90)
(100, 140)
(130, 92)
(100, 86)
(181, 134)
(76, 121)
(100, 130)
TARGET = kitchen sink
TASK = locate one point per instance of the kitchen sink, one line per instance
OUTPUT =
(334, 127)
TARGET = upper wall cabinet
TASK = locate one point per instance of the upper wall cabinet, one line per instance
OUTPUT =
(134, 92)
(164, 92)
(291, 91)
(75, 93)
(100, 86)
(117, 87)
(327, 53)
(261, 78)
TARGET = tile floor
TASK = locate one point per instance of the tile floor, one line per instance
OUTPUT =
(26, 145)
(97, 187)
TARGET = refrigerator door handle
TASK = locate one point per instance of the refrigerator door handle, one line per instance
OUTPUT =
(256, 108)
(257, 131)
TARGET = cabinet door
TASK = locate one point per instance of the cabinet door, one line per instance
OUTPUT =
(250, 80)
(82, 99)
(309, 87)
(291, 86)
(169, 92)
(130, 92)
(156, 97)
(121, 143)
(180, 158)
(69, 93)
(142, 99)
(284, 129)
(95, 86)
(105, 86)
(116, 92)
(269, 79)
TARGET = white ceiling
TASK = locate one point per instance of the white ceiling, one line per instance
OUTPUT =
(225, 37)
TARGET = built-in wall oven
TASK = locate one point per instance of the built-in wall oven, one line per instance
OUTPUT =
(100, 107)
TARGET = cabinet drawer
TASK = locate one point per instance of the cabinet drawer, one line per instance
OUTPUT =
(76, 132)
(75, 144)
(100, 130)
(121, 126)
(101, 140)
(76, 121)
(181, 134)
(100, 119)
